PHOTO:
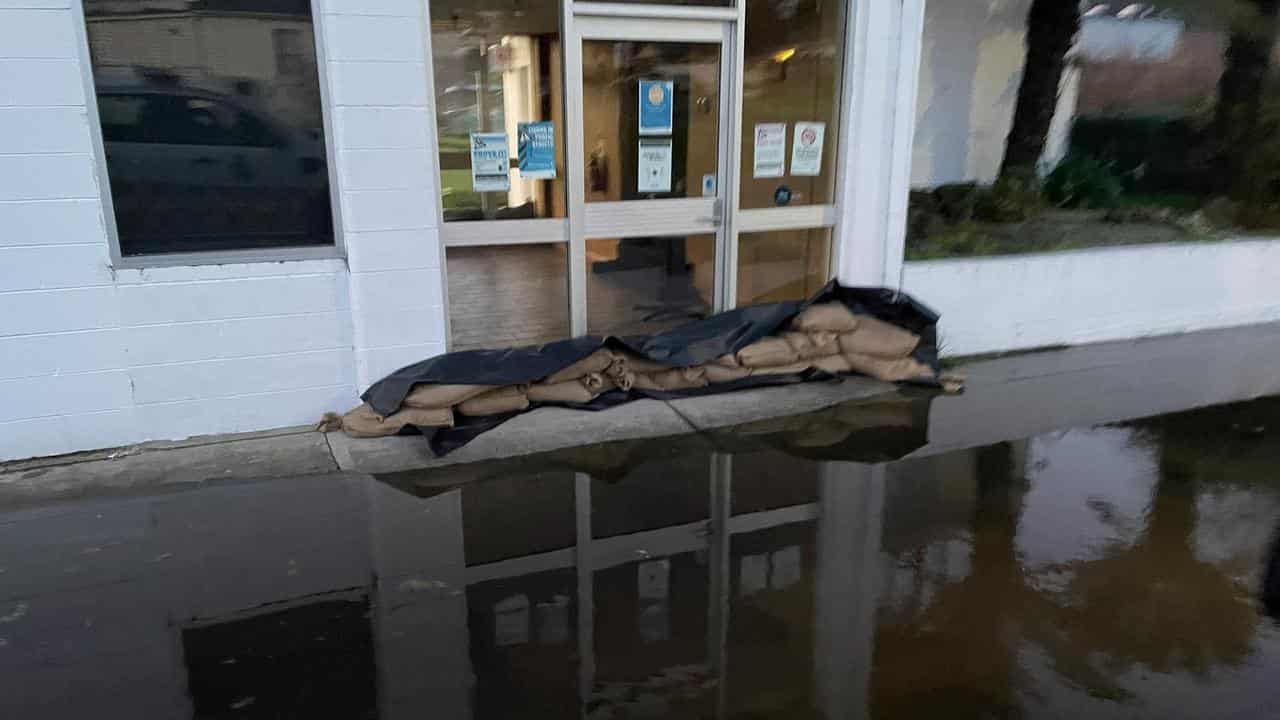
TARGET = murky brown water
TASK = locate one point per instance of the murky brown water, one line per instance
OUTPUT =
(788, 569)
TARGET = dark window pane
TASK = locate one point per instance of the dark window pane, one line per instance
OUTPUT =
(212, 124)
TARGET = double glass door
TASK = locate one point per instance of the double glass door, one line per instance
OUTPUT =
(648, 180)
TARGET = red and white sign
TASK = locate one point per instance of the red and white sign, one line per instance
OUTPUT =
(806, 149)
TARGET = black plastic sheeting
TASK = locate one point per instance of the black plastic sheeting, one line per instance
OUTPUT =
(695, 343)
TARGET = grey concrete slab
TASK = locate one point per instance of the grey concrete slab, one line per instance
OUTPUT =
(539, 431)
(718, 411)
(276, 455)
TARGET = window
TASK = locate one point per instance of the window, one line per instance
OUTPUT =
(208, 146)
(793, 56)
(497, 67)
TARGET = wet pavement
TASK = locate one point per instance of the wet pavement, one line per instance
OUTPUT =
(1107, 555)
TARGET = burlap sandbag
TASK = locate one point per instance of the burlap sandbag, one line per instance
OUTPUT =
(511, 398)
(363, 422)
(581, 390)
(809, 345)
(827, 317)
(670, 380)
(596, 362)
(442, 396)
(878, 339)
(769, 352)
(789, 369)
(717, 373)
(835, 364)
(889, 370)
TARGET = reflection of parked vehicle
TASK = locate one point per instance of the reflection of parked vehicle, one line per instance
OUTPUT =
(192, 170)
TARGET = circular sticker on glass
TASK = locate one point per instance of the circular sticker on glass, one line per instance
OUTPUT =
(782, 196)
(656, 94)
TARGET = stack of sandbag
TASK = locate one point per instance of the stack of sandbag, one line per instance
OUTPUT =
(827, 337)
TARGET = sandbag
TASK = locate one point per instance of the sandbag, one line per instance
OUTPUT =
(363, 422)
(717, 373)
(769, 352)
(826, 317)
(630, 362)
(512, 398)
(596, 362)
(878, 339)
(669, 380)
(570, 391)
(834, 364)
(809, 345)
(431, 396)
(789, 369)
(889, 370)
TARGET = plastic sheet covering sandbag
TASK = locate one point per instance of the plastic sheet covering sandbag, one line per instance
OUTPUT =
(669, 364)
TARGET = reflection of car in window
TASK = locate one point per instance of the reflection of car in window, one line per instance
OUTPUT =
(194, 170)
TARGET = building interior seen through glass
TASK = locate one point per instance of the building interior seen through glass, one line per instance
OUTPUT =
(211, 123)
(644, 285)
(793, 56)
(508, 295)
(782, 265)
(497, 73)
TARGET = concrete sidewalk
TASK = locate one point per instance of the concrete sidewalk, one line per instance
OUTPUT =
(1006, 397)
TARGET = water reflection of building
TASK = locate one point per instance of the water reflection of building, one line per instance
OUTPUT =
(697, 584)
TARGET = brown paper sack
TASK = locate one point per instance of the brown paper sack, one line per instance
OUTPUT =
(878, 338)
(769, 352)
(363, 422)
(429, 396)
(828, 317)
(511, 398)
(889, 370)
(596, 362)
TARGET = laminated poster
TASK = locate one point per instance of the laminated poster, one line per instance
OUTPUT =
(806, 148)
(537, 150)
(654, 168)
(656, 106)
(490, 162)
(770, 151)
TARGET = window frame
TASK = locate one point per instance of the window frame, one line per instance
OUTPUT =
(98, 154)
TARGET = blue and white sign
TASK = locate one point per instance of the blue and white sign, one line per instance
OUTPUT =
(490, 162)
(656, 105)
(537, 150)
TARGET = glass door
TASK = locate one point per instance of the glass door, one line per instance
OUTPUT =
(649, 142)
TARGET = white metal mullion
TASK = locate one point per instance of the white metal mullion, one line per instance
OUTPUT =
(734, 161)
(647, 11)
(575, 168)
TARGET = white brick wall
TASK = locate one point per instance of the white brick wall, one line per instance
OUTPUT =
(383, 126)
(92, 356)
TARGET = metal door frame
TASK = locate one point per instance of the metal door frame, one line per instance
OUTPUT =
(701, 216)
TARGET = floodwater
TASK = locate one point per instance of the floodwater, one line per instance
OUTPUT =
(841, 565)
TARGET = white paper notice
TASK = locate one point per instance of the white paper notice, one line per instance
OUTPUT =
(771, 150)
(806, 148)
(490, 162)
(654, 169)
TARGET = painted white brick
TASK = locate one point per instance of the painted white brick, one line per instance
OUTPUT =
(402, 8)
(380, 292)
(54, 266)
(91, 431)
(252, 297)
(286, 409)
(40, 82)
(393, 250)
(367, 37)
(388, 210)
(46, 177)
(378, 83)
(382, 128)
(386, 170)
(176, 421)
(52, 311)
(32, 438)
(64, 394)
(220, 378)
(37, 34)
(36, 4)
(44, 130)
(375, 364)
(51, 222)
(421, 326)
(34, 355)
(191, 342)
